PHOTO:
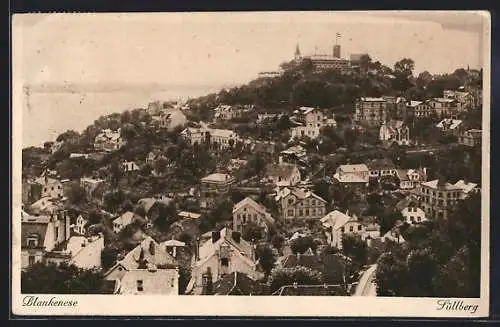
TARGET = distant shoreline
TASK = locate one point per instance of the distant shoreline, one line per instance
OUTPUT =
(107, 87)
(47, 115)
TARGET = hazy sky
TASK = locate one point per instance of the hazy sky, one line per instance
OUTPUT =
(228, 48)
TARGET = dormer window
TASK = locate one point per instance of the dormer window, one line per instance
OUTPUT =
(33, 241)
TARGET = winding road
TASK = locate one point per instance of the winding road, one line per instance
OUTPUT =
(367, 286)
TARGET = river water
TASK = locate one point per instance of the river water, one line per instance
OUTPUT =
(46, 115)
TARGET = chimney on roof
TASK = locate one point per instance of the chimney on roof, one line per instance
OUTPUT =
(215, 236)
(441, 181)
(152, 248)
(207, 283)
(466, 180)
(197, 249)
(236, 237)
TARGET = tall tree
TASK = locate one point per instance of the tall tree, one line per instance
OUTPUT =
(288, 276)
(50, 278)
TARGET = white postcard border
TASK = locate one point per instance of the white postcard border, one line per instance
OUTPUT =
(248, 305)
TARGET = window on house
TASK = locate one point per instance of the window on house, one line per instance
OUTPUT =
(313, 202)
(351, 228)
(52, 188)
(301, 212)
(359, 227)
(307, 212)
(419, 218)
(33, 241)
(56, 233)
(224, 262)
(244, 218)
(290, 212)
(290, 201)
(31, 260)
(140, 286)
(45, 189)
(342, 229)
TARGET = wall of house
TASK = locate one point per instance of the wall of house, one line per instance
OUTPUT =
(26, 253)
(413, 215)
(311, 208)
(251, 216)
(52, 190)
(161, 281)
(49, 241)
(236, 264)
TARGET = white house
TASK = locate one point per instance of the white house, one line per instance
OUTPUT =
(413, 215)
(358, 173)
(146, 270)
(449, 125)
(79, 227)
(338, 224)
(129, 166)
(40, 235)
(297, 203)
(248, 211)
(221, 253)
(108, 140)
(51, 187)
(395, 131)
(394, 236)
(86, 252)
(283, 174)
(467, 188)
(411, 178)
(310, 121)
(124, 220)
(381, 167)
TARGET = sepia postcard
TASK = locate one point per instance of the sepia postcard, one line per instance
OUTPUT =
(301, 164)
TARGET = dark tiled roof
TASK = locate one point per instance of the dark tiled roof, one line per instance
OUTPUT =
(283, 170)
(236, 283)
(377, 164)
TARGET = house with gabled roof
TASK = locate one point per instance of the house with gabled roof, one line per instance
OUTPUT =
(122, 221)
(297, 203)
(40, 235)
(283, 174)
(450, 126)
(410, 178)
(147, 269)
(338, 224)
(248, 211)
(381, 167)
(236, 283)
(395, 131)
(108, 140)
(221, 252)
